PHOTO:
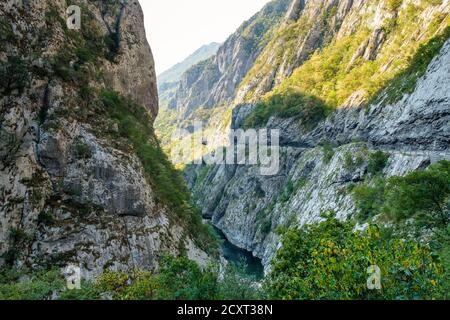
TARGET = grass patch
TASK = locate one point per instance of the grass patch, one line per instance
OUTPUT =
(308, 109)
(405, 82)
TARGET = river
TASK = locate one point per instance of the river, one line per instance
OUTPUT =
(236, 255)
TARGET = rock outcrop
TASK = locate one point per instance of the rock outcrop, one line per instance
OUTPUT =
(70, 193)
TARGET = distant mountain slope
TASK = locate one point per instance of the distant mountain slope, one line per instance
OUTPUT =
(168, 81)
(174, 74)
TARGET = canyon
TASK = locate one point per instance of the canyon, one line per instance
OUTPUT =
(358, 89)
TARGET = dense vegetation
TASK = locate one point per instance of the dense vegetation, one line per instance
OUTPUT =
(330, 261)
(422, 195)
(178, 278)
(307, 108)
(417, 206)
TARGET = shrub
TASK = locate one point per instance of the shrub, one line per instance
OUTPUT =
(88, 291)
(393, 5)
(266, 226)
(291, 104)
(46, 218)
(13, 75)
(18, 239)
(178, 278)
(423, 195)
(328, 151)
(330, 261)
(6, 32)
(38, 286)
(82, 150)
(237, 285)
(351, 163)
(369, 199)
(377, 162)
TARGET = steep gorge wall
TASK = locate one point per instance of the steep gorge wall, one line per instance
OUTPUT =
(249, 207)
(412, 130)
(71, 189)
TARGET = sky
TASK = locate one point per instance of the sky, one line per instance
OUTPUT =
(176, 28)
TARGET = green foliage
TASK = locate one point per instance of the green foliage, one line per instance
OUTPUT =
(257, 31)
(183, 279)
(266, 226)
(136, 286)
(82, 50)
(307, 108)
(13, 75)
(38, 286)
(351, 163)
(328, 151)
(82, 150)
(377, 162)
(46, 218)
(178, 279)
(18, 240)
(6, 32)
(112, 42)
(88, 291)
(369, 199)
(287, 192)
(237, 285)
(42, 285)
(423, 195)
(330, 261)
(405, 82)
(393, 5)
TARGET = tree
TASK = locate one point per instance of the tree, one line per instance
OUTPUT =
(423, 195)
(330, 261)
(13, 75)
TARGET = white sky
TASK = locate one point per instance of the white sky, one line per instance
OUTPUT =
(176, 28)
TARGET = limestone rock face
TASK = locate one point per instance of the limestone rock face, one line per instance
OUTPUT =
(69, 194)
(134, 71)
(309, 26)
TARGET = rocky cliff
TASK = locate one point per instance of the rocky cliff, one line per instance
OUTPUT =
(374, 82)
(76, 185)
(249, 207)
(214, 82)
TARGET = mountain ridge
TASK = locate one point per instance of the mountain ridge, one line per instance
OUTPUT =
(174, 73)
